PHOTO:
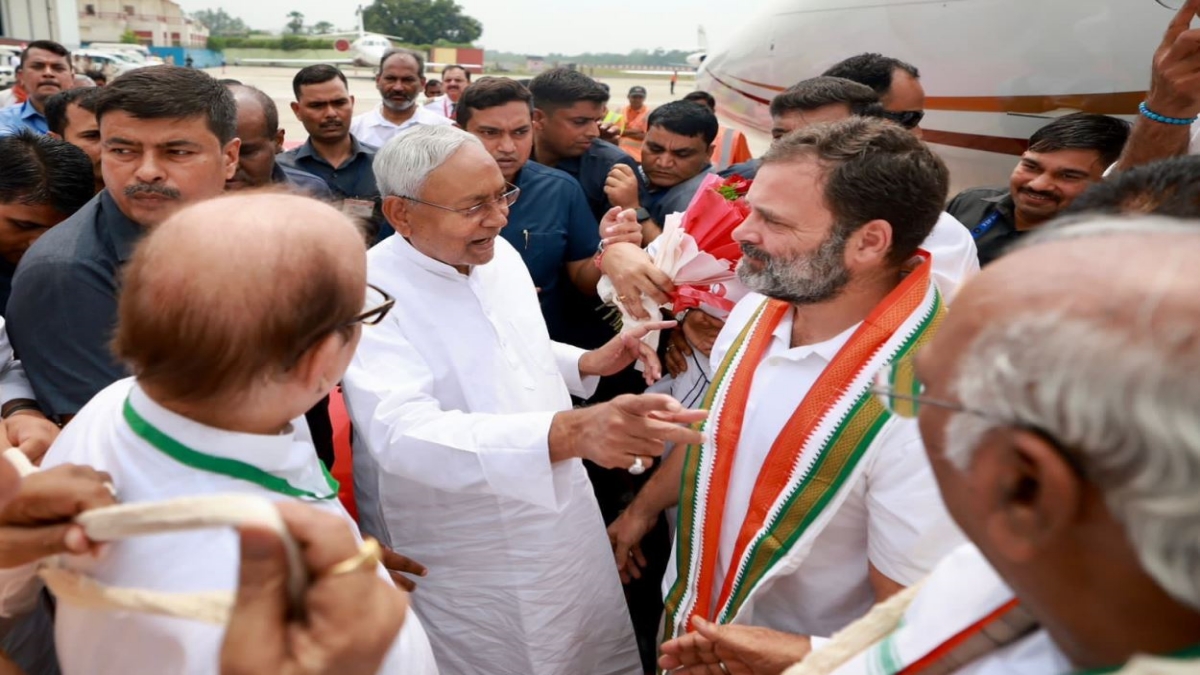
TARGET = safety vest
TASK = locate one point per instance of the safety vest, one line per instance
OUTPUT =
(615, 118)
(636, 121)
(730, 148)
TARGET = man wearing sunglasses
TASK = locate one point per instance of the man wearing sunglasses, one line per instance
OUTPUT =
(270, 300)
(1060, 439)
(897, 83)
(467, 451)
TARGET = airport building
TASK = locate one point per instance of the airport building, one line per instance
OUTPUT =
(25, 20)
(156, 23)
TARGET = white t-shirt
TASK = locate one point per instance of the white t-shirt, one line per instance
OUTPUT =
(374, 129)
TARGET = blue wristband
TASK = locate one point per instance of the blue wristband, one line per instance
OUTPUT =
(1163, 119)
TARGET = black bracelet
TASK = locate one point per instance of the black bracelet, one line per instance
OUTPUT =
(30, 405)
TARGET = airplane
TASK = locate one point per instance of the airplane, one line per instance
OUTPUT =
(994, 71)
(366, 48)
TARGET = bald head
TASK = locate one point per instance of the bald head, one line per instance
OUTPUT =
(258, 129)
(248, 284)
(1089, 335)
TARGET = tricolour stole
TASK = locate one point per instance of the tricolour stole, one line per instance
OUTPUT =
(816, 456)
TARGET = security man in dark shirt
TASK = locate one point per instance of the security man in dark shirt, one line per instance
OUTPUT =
(1064, 158)
(568, 109)
(168, 139)
(325, 107)
(550, 224)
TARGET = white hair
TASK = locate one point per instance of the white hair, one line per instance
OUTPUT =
(1121, 396)
(404, 162)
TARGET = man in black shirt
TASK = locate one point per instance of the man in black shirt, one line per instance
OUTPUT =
(568, 109)
(1064, 158)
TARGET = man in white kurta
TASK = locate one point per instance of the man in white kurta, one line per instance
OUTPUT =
(1078, 560)
(808, 501)
(457, 399)
(224, 415)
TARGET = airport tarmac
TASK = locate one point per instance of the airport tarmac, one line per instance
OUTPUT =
(277, 83)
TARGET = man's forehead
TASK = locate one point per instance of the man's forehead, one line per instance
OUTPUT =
(670, 140)
(193, 129)
(332, 90)
(400, 64)
(799, 119)
(1078, 159)
(580, 109)
(513, 115)
(36, 55)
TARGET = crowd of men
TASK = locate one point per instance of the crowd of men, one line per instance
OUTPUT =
(884, 459)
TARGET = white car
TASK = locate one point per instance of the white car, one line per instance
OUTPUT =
(8, 75)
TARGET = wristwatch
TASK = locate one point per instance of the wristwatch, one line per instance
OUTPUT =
(641, 214)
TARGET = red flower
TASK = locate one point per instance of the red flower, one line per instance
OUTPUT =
(733, 188)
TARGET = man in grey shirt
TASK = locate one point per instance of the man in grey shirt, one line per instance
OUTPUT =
(168, 139)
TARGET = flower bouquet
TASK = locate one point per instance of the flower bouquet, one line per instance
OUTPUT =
(697, 252)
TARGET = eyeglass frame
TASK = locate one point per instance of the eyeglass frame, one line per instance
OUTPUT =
(881, 391)
(368, 317)
(473, 211)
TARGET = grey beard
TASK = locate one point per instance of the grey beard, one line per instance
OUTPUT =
(803, 279)
(399, 107)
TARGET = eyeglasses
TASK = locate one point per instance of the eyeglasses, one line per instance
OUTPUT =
(376, 306)
(902, 394)
(505, 200)
(909, 119)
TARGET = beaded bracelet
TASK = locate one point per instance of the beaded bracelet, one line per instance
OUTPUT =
(1163, 119)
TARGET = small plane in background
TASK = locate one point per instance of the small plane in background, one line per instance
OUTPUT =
(365, 49)
(994, 71)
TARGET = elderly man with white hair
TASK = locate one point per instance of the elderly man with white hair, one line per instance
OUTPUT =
(467, 450)
(1065, 442)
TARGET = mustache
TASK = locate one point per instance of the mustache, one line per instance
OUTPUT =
(1038, 193)
(147, 188)
(752, 251)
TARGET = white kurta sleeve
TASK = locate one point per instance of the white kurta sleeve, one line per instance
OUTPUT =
(909, 530)
(390, 396)
(13, 383)
(567, 357)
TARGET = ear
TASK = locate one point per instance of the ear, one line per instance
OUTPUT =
(395, 210)
(870, 244)
(314, 370)
(1036, 496)
(279, 135)
(712, 147)
(54, 135)
(230, 156)
(539, 119)
(295, 109)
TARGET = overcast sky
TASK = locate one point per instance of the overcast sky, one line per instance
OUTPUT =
(536, 26)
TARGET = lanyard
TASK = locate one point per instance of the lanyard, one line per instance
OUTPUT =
(219, 465)
(988, 223)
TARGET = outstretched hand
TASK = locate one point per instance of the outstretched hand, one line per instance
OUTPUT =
(621, 351)
(742, 650)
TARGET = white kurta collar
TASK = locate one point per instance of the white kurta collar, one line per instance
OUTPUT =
(408, 252)
(781, 340)
(282, 455)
